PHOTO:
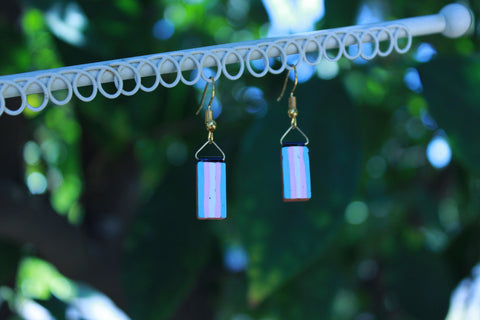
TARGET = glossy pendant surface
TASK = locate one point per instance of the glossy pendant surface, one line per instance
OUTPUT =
(296, 172)
(211, 188)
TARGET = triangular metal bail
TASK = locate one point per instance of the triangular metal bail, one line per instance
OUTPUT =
(205, 144)
(290, 129)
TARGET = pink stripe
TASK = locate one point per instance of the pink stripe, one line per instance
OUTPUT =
(302, 178)
(291, 165)
(206, 188)
(218, 198)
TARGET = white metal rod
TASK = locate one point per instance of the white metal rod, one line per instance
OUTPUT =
(453, 21)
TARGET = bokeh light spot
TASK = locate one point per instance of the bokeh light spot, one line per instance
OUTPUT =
(464, 302)
(36, 183)
(238, 9)
(254, 102)
(95, 306)
(439, 153)
(345, 304)
(370, 12)
(327, 69)
(51, 150)
(67, 23)
(412, 80)
(356, 212)
(435, 240)
(31, 310)
(216, 108)
(176, 13)
(235, 258)
(304, 73)
(31, 153)
(425, 52)
(293, 16)
(207, 72)
(163, 29)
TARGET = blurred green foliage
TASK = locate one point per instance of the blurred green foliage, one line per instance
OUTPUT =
(385, 236)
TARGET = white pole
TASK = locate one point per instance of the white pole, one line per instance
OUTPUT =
(453, 20)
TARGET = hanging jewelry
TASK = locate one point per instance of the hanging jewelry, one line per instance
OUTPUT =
(294, 155)
(211, 173)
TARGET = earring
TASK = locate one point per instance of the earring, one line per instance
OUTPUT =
(294, 155)
(211, 174)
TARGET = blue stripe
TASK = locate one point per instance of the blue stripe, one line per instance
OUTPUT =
(286, 174)
(306, 160)
(223, 190)
(200, 190)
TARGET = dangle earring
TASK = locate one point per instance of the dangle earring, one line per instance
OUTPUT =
(294, 155)
(211, 176)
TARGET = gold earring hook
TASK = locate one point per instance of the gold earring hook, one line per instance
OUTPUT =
(210, 124)
(292, 106)
(286, 81)
(204, 94)
(292, 101)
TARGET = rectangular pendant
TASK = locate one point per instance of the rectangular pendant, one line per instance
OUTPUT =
(211, 189)
(296, 172)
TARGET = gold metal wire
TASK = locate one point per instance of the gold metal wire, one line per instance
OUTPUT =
(285, 84)
(204, 94)
(207, 143)
(307, 141)
(292, 107)
(209, 122)
(211, 125)
(293, 123)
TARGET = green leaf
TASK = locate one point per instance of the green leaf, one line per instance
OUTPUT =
(38, 279)
(285, 238)
(451, 90)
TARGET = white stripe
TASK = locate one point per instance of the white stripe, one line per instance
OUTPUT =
(211, 192)
(296, 159)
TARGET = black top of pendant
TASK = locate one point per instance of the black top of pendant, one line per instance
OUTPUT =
(291, 144)
(211, 159)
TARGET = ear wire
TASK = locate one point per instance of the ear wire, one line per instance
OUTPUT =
(285, 84)
(209, 122)
(204, 94)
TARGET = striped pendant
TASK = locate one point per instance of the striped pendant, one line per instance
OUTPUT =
(211, 189)
(296, 172)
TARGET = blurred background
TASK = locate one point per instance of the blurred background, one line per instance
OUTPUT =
(97, 201)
